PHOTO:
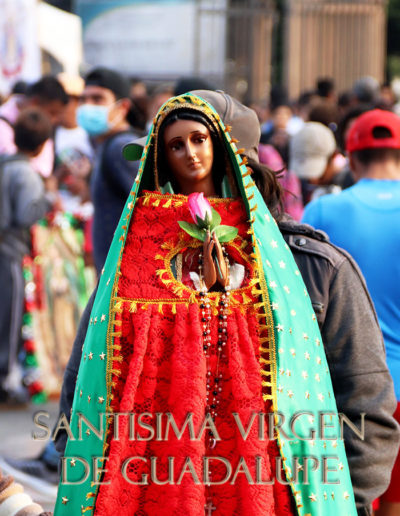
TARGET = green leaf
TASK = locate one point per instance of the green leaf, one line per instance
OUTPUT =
(192, 230)
(215, 220)
(226, 233)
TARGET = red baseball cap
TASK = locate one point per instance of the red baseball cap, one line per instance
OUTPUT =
(361, 134)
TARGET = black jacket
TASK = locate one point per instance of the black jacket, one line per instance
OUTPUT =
(354, 350)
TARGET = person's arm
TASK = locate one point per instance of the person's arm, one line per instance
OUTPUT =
(28, 196)
(71, 372)
(361, 382)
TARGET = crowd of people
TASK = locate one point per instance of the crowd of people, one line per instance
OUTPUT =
(70, 180)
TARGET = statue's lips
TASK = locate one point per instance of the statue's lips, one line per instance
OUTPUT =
(194, 165)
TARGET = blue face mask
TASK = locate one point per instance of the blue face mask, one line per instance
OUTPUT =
(94, 119)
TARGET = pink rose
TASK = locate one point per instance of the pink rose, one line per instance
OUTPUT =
(199, 207)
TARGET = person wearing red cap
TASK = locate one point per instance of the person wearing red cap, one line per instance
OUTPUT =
(364, 220)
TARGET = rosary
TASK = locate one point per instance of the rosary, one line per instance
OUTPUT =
(214, 378)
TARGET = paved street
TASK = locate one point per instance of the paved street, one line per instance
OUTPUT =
(16, 441)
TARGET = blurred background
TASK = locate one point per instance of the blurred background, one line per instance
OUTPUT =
(242, 46)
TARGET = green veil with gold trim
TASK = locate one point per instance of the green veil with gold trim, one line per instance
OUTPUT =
(293, 365)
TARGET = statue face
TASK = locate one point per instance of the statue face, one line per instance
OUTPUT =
(189, 153)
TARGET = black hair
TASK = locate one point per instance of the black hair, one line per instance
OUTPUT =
(278, 97)
(368, 156)
(350, 115)
(220, 163)
(185, 84)
(269, 186)
(31, 130)
(48, 89)
(305, 98)
(109, 79)
(325, 86)
(19, 88)
(325, 113)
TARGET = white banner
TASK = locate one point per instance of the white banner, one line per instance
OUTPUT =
(155, 39)
(19, 47)
(149, 40)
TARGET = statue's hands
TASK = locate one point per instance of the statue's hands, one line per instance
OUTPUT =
(214, 267)
(209, 272)
(221, 272)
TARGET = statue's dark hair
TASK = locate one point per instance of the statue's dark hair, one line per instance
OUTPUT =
(269, 186)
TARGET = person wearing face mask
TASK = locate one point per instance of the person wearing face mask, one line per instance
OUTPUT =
(104, 107)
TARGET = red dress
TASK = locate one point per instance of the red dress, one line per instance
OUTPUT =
(160, 368)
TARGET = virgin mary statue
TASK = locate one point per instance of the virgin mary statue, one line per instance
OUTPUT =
(203, 374)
